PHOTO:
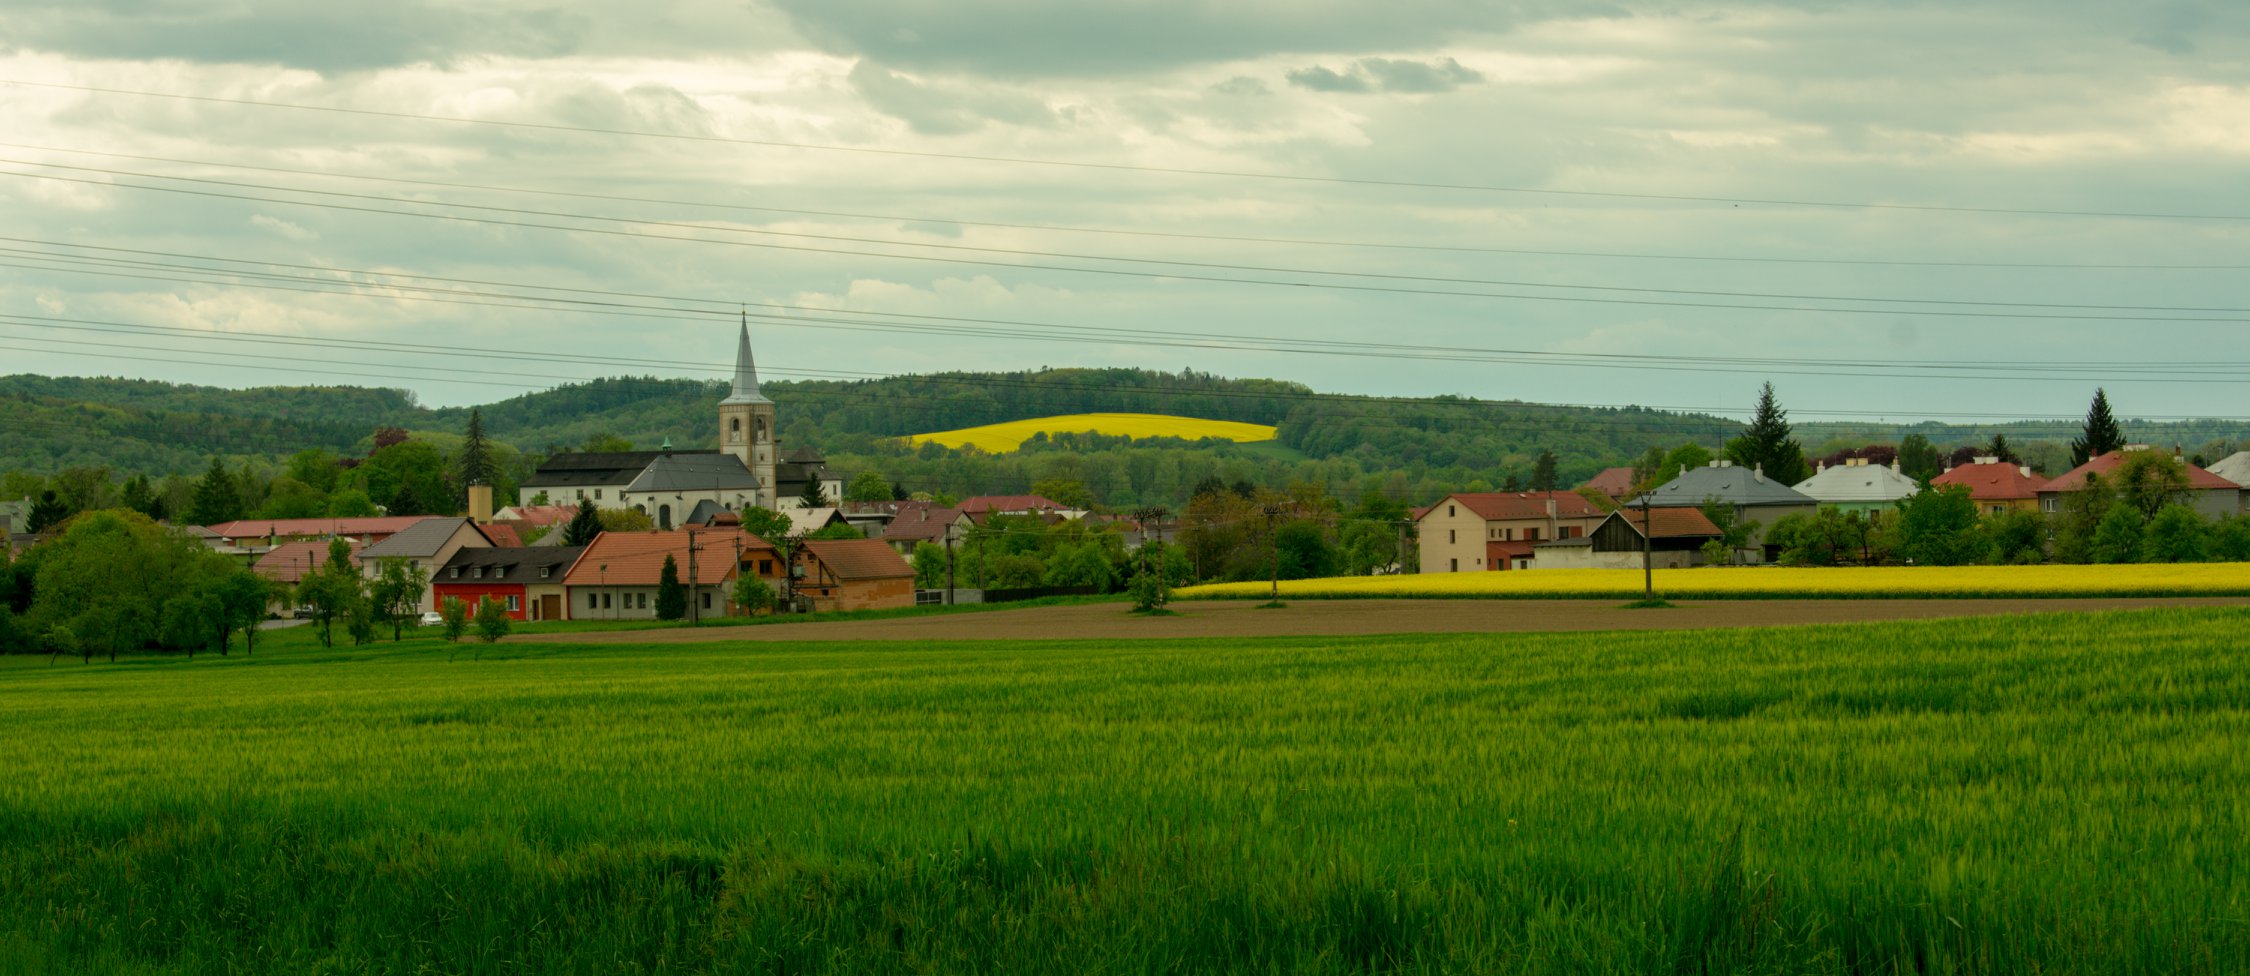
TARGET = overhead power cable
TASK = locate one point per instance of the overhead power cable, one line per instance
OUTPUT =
(1155, 234)
(1166, 262)
(1222, 279)
(1140, 168)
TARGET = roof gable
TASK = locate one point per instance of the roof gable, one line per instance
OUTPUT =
(1727, 483)
(2075, 478)
(1858, 483)
(855, 559)
(1993, 481)
(422, 540)
(1509, 506)
(637, 558)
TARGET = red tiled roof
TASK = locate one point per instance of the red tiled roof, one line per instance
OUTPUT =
(637, 558)
(1672, 523)
(544, 514)
(1614, 482)
(1993, 482)
(502, 535)
(1497, 552)
(856, 559)
(261, 528)
(1500, 506)
(290, 562)
(927, 525)
(1009, 503)
(2075, 478)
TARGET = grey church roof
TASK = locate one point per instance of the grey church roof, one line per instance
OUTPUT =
(2234, 467)
(575, 470)
(745, 373)
(1727, 483)
(695, 472)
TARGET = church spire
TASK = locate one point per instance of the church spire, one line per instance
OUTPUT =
(745, 371)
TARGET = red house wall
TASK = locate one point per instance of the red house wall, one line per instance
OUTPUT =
(470, 593)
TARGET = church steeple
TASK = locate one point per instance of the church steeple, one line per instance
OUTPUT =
(745, 371)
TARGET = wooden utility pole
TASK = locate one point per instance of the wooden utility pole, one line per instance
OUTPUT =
(1648, 552)
(949, 531)
(1273, 544)
(694, 618)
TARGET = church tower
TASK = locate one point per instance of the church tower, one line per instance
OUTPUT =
(746, 422)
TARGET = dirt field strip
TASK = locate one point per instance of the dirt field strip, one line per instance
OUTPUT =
(1335, 618)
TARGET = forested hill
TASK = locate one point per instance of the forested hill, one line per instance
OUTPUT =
(136, 426)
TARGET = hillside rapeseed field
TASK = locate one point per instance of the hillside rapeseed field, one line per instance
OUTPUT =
(2054, 794)
(1773, 582)
(1002, 438)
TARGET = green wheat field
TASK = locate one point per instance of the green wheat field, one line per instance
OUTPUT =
(2047, 794)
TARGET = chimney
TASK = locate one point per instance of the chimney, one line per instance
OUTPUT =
(480, 504)
(2025, 468)
(1895, 466)
(1988, 460)
(1760, 472)
(1820, 466)
(1550, 505)
(1683, 470)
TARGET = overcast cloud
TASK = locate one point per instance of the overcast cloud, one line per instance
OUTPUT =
(2009, 104)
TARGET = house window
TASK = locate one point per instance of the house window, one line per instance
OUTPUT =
(546, 571)
(1531, 534)
(477, 573)
(1453, 565)
(706, 601)
(597, 494)
(641, 602)
(1448, 511)
(2047, 504)
(581, 494)
(454, 573)
(1451, 536)
(1508, 535)
(499, 572)
(605, 601)
(765, 567)
(593, 602)
(515, 604)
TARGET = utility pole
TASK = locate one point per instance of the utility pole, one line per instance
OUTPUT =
(694, 619)
(1273, 545)
(1648, 552)
(949, 527)
(737, 558)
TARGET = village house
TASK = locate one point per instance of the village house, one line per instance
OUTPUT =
(290, 562)
(2234, 467)
(1997, 487)
(851, 574)
(259, 534)
(1617, 483)
(2208, 494)
(616, 577)
(426, 545)
(1749, 493)
(528, 581)
(1617, 541)
(1857, 486)
(925, 523)
(1480, 531)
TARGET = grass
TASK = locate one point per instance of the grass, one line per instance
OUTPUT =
(1002, 438)
(824, 616)
(2057, 794)
(1769, 582)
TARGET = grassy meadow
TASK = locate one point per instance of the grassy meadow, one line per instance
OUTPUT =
(1770, 583)
(1002, 438)
(2052, 794)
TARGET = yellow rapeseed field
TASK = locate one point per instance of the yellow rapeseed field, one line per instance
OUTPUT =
(1002, 438)
(1766, 582)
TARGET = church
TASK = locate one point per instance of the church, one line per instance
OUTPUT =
(748, 469)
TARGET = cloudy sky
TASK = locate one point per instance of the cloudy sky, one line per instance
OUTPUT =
(1890, 209)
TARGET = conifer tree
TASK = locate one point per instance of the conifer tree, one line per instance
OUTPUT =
(2102, 433)
(1766, 443)
(671, 597)
(813, 496)
(476, 454)
(217, 498)
(1543, 472)
(1999, 449)
(583, 526)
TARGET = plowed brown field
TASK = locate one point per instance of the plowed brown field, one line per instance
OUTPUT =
(1325, 618)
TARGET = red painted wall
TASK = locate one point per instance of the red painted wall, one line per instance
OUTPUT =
(470, 593)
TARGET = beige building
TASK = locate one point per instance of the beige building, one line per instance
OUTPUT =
(426, 545)
(1483, 531)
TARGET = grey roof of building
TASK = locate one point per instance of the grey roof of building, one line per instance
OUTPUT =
(1729, 484)
(599, 468)
(1858, 483)
(418, 541)
(524, 560)
(694, 472)
(2234, 467)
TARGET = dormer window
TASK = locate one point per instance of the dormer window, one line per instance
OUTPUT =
(499, 572)
(546, 571)
(479, 572)
(455, 572)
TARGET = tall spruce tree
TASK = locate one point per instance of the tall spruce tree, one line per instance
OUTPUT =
(1766, 444)
(1543, 472)
(1999, 449)
(217, 497)
(671, 596)
(476, 454)
(2102, 433)
(813, 496)
(583, 526)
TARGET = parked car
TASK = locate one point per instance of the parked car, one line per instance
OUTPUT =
(433, 619)
(302, 613)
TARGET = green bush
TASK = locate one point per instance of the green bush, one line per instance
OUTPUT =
(1149, 592)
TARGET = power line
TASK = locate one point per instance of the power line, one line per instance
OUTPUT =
(1165, 235)
(1128, 167)
(1168, 263)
